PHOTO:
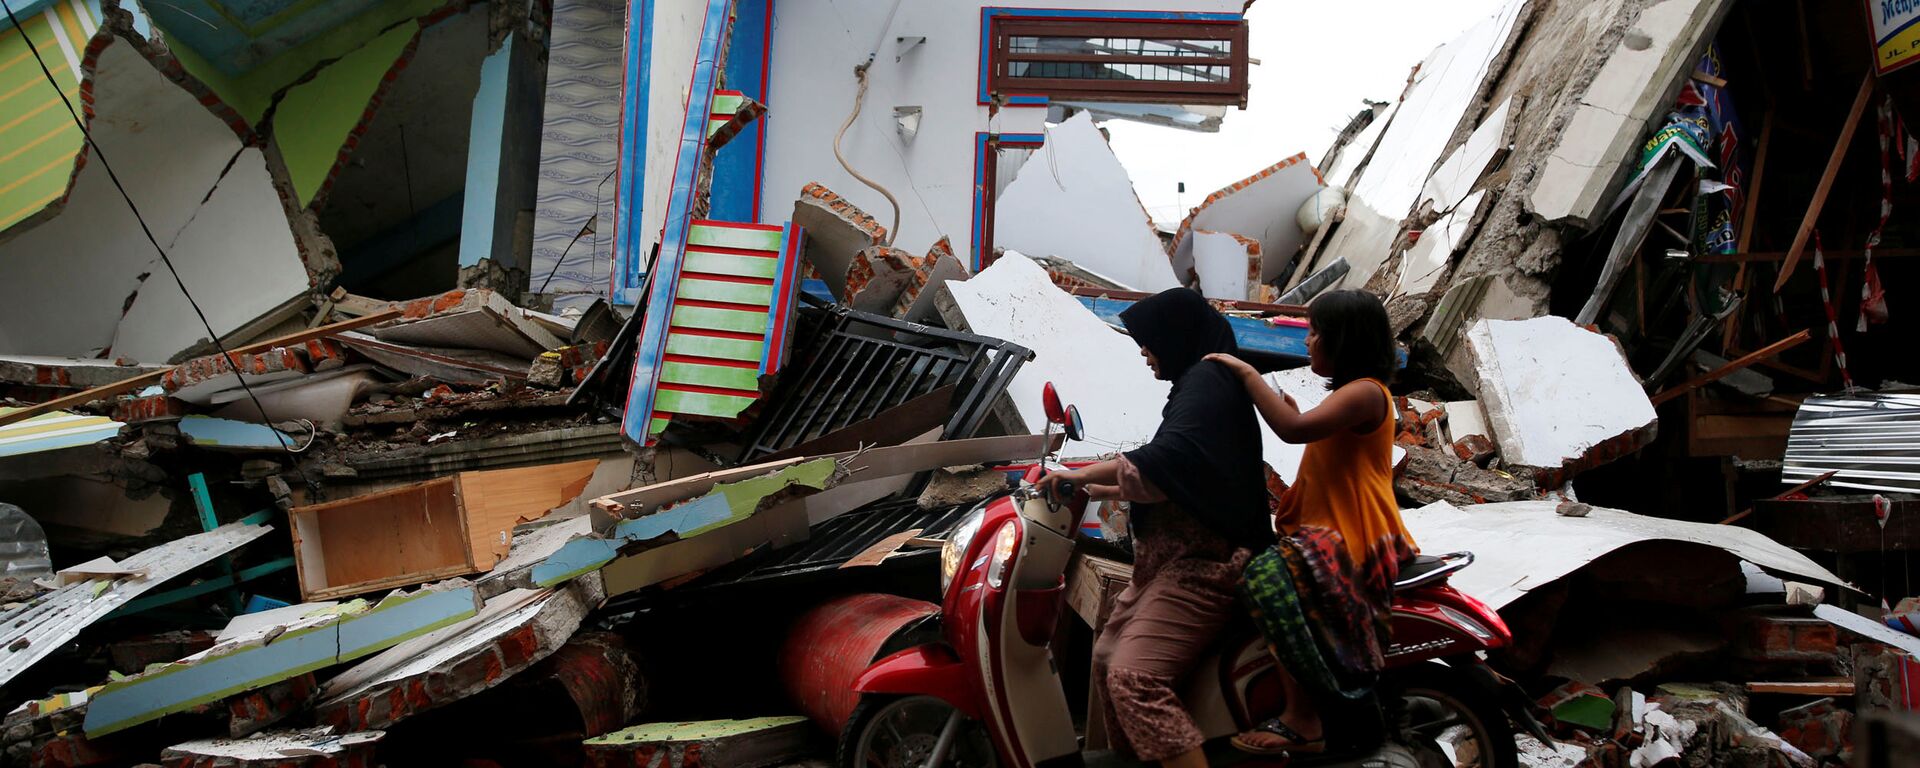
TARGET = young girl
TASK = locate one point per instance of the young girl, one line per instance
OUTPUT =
(1345, 484)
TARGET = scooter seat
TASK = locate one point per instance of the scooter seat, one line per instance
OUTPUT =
(1427, 569)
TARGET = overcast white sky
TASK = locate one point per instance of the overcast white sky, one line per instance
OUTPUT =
(1317, 61)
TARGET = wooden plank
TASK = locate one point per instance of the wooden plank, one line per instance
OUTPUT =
(1840, 145)
(1731, 331)
(128, 385)
(1753, 436)
(1825, 687)
(1801, 488)
(1733, 367)
(408, 535)
(494, 501)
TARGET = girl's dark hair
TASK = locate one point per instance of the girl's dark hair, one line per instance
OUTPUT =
(1355, 335)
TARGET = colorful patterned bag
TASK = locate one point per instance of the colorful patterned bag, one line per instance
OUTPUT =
(1268, 588)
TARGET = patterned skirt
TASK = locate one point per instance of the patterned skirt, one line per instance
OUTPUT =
(1326, 618)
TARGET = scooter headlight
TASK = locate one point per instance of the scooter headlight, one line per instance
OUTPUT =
(1005, 541)
(952, 552)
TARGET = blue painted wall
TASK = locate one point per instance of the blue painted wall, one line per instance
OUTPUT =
(736, 171)
(629, 264)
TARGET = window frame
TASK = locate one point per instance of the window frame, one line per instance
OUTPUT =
(1004, 29)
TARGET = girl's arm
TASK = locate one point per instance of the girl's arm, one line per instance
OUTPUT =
(1355, 405)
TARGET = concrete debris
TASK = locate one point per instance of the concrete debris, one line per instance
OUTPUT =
(836, 231)
(310, 747)
(752, 743)
(38, 628)
(1435, 474)
(961, 485)
(1072, 199)
(1559, 399)
(1256, 209)
(468, 319)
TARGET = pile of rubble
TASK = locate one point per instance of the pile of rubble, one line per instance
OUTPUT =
(492, 524)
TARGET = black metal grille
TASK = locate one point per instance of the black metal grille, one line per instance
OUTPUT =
(838, 540)
(855, 365)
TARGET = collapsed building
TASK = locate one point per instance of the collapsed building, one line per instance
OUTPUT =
(546, 330)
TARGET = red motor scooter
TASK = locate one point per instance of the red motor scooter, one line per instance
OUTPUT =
(988, 693)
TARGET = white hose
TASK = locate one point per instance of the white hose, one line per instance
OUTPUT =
(860, 72)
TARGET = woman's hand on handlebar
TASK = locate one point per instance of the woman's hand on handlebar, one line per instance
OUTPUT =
(1050, 483)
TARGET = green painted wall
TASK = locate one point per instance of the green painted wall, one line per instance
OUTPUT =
(315, 116)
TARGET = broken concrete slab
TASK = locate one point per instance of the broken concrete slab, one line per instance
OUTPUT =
(50, 621)
(836, 230)
(515, 630)
(318, 747)
(68, 372)
(1635, 84)
(1074, 200)
(1560, 398)
(1423, 264)
(725, 504)
(1485, 148)
(449, 526)
(316, 641)
(441, 363)
(916, 304)
(1438, 474)
(321, 398)
(203, 182)
(1464, 417)
(877, 277)
(1438, 95)
(468, 319)
(1227, 265)
(1523, 545)
(198, 380)
(1262, 207)
(754, 743)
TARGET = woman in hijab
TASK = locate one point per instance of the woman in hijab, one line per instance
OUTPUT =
(1199, 511)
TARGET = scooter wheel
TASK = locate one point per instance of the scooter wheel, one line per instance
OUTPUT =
(903, 731)
(1445, 712)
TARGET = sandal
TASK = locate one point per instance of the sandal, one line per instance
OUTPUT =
(1296, 742)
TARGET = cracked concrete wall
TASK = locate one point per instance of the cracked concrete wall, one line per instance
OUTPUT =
(1593, 78)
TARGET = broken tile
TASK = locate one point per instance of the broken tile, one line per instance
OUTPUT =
(322, 639)
(1559, 398)
(1261, 208)
(755, 743)
(1072, 199)
(42, 626)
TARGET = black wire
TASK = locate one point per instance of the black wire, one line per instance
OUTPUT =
(144, 229)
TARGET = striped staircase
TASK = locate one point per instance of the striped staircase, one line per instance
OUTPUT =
(728, 325)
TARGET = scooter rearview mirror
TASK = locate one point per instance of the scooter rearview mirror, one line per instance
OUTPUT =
(1076, 429)
(1050, 401)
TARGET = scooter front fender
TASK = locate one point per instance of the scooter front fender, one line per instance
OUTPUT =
(926, 670)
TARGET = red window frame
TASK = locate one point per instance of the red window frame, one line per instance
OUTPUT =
(1231, 91)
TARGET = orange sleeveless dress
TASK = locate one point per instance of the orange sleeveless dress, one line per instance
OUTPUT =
(1346, 483)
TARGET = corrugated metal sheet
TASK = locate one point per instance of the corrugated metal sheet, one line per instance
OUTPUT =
(1871, 439)
(53, 432)
(47, 622)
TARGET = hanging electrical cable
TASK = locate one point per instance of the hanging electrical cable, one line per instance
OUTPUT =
(860, 73)
(94, 146)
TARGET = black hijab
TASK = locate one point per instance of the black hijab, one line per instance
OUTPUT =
(1206, 454)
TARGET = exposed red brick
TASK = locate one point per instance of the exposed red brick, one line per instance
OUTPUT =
(847, 211)
(1820, 729)
(151, 408)
(1475, 448)
(1769, 637)
(202, 369)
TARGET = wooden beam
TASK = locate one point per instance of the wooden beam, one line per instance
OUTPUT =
(1831, 687)
(1744, 241)
(1744, 258)
(1801, 488)
(1812, 217)
(128, 385)
(1730, 368)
